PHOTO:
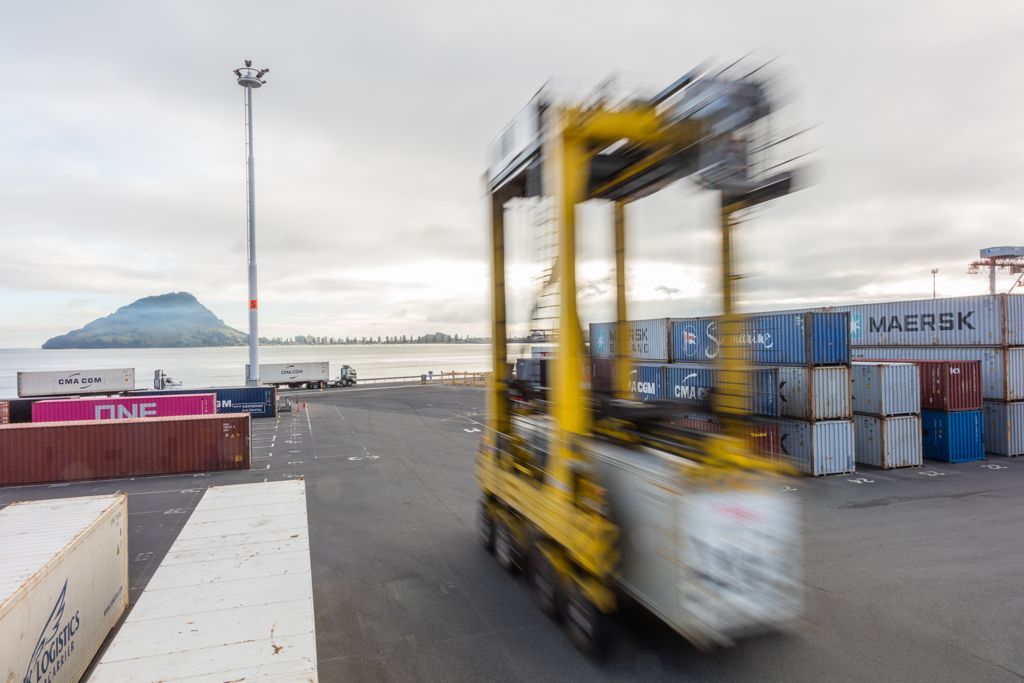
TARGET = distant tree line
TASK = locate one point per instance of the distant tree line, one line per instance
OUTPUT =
(435, 338)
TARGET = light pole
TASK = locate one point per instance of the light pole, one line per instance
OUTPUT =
(250, 78)
(934, 271)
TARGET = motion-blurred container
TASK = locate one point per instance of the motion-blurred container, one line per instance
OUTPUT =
(886, 388)
(63, 584)
(54, 452)
(1004, 428)
(807, 339)
(693, 384)
(817, 448)
(953, 437)
(123, 407)
(646, 340)
(764, 438)
(818, 393)
(888, 442)
(647, 382)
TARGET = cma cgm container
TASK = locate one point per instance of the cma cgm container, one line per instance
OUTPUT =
(953, 437)
(645, 340)
(65, 382)
(1002, 370)
(293, 374)
(1004, 428)
(647, 382)
(63, 584)
(257, 401)
(789, 339)
(819, 393)
(885, 388)
(52, 452)
(888, 442)
(122, 407)
(818, 448)
(693, 383)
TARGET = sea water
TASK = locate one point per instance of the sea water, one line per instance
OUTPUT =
(225, 366)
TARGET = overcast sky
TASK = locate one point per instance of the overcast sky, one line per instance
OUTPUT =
(122, 161)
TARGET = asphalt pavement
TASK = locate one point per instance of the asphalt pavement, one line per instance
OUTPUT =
(912, 574)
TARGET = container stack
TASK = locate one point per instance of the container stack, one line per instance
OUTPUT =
(887, 414)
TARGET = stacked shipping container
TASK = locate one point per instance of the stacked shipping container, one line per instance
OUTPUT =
(121, 407)
(887, 414)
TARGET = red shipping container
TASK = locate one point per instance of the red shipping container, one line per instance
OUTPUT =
(948, 386)
(51, 452)
(764, 438)
(123, 407)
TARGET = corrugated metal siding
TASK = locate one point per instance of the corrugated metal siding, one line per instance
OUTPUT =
(764, 439)
(51, 452)
(123, 407)
(886, 389)
(693, 383)
(5, 412)
(648, 340)
(695, 340)
(1004, 428)
(1014, 314)
(818, 448)
(888, 442)
(1002, 370)
(257, 401)
(647, 382)
(820, 393)
(601, 375)
(953, 437)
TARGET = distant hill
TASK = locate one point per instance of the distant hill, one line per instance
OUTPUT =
(168, 320)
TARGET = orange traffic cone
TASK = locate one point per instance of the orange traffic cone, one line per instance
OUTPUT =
(303, 404)
(298, 408)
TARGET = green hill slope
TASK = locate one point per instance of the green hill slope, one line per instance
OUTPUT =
(168, 320)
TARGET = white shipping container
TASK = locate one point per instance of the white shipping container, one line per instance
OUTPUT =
(1004, 428)
(293, 373)
(818, 448)
(63, 584)
(819, 393)
(888, 442)
(646, 340)
(886, 388)
(75, 382)
(231, 601)
(1002, 370)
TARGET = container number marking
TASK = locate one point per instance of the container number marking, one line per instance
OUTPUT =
(933, 474)
(993, 466)
(861, 480)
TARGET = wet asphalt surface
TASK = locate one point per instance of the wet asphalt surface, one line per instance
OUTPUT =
(912, 574)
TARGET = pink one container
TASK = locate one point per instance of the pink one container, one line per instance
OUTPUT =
(123, 407)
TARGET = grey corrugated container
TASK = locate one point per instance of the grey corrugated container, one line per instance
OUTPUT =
(818, 448)
(886, 389)
(888, 442)
(1004, 428)
(1002, 370)
(647, 340)
(820, 393)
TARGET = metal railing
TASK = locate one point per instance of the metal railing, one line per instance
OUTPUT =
(476, 379)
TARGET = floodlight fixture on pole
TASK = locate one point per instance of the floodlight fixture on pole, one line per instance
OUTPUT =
(250, 78)
(934, 271)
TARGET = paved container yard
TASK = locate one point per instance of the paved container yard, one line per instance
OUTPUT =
(912, 574)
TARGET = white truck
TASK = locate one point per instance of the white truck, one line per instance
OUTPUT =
(305, 375)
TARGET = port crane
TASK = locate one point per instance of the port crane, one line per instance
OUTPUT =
(595, 497)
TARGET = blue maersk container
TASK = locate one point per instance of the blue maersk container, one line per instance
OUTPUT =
(647, 381)
(782, 339)
(953, 437)
(258, 401)
(692, 383)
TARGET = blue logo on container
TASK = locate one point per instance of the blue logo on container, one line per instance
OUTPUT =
(856, 326)
(56, 643)
(600, 341)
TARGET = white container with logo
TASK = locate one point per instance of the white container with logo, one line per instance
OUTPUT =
(75, 382)
(293, 373)
(63, 584)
